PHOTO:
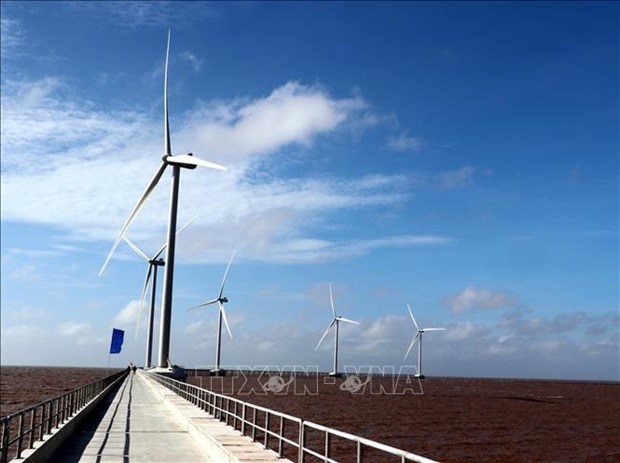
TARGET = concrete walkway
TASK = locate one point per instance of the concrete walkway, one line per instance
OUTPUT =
(133, 425)
(145, 422)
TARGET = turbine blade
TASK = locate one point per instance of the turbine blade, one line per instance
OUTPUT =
(203, 304)
(136, 249)
(331, 299)
(163, 247)
(225, 320)
(142, 296)
(136, 209)
(226, 274)
(415, 338)
(167, 148)
(342, 319)
(434, 329)
(189, 160)
(325, 334)
(414, 322)
(146, 284)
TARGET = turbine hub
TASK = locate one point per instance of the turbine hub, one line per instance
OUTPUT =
(224, 299)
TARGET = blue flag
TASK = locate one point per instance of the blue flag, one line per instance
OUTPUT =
(117, 341)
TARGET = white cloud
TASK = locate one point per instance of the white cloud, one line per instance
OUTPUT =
(404, 142)
(25, 314)
(73, 328)
(472, 298)
(458, 178)
(78, 169)
(464, 349)
(464, 331)
(291, 114)
(11, 36)
(25, 331)
(25, 272)
(134, 14)
(194, 61)
(127, 315)
(193, 327)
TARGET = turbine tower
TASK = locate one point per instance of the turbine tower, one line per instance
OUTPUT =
(221, 300)
(153, 262)
(186, 161)
(335, 321)
(418, 338)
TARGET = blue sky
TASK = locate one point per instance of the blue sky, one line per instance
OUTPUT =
(460, 157)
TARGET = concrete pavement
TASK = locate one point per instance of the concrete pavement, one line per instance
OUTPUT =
(133, 425)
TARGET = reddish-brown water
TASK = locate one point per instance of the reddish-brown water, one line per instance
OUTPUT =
(449, 419)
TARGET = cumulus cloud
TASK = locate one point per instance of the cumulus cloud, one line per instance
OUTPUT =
(127, 315)
(472, 298)
(292, 114)
(75, 168)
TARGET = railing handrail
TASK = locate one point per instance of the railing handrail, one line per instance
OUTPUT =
(47, 415)
(368, 442)
(249, 419)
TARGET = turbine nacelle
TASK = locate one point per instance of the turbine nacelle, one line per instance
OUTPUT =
(154, 261)
(220, 300)
(188, 161)
(335, 321)
(418, 338)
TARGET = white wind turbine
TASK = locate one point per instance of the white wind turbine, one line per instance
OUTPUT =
(186, 161)
(335, 321)
(153, 262)
(221, 300)
(416, 338)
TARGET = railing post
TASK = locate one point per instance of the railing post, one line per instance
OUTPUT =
(54, 416)
(63, 407)
(227, 411)
(235, 415)
(254, 413)
(5, 440)
(42, 428)
(327, 445)
(359, 452)
(33, 418)
(243, 416)
(281, 442)
(266, 441)
(20, 436)
(302, 441)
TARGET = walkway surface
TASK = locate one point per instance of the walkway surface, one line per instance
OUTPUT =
(133, 425)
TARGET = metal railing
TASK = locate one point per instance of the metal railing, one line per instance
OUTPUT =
(281, 432)
(20, 430)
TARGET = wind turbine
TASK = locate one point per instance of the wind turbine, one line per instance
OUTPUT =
(153, 262)
(335, 321)
(221, 300)
(186, 161)
(418, 337)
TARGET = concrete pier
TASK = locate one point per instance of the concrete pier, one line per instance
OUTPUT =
(145, 422)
